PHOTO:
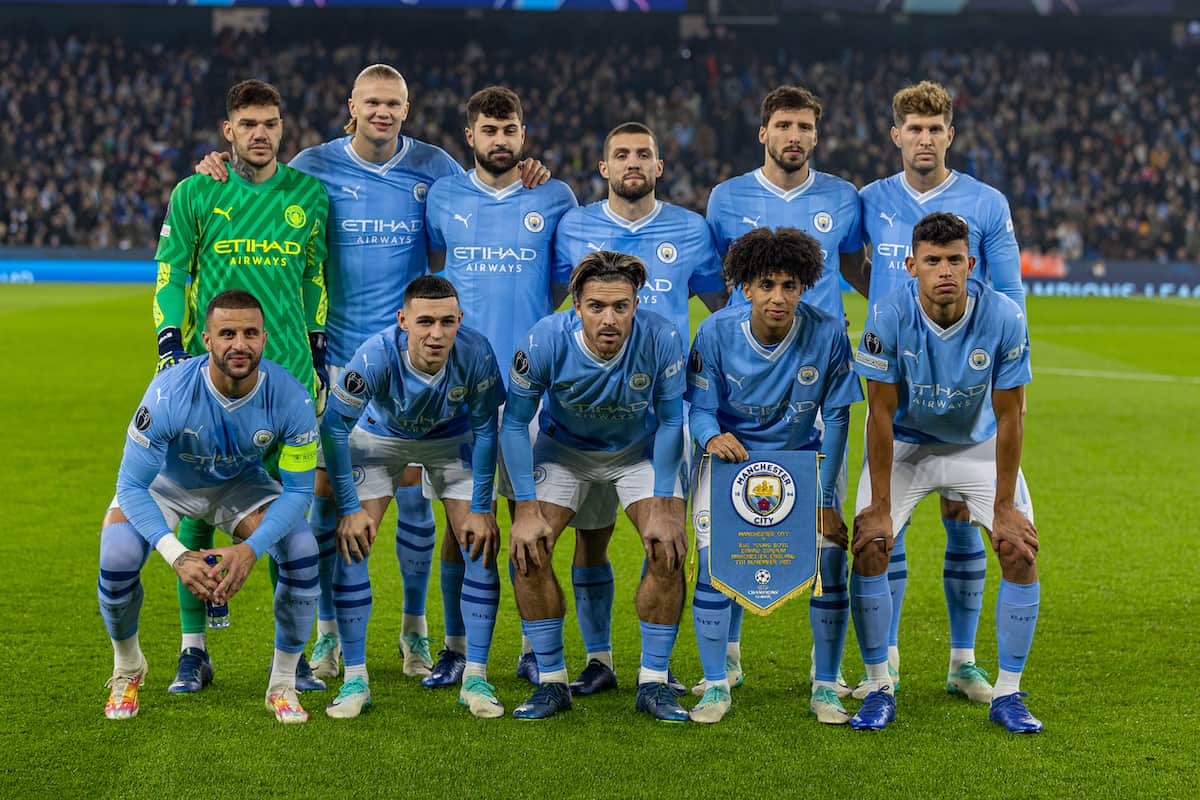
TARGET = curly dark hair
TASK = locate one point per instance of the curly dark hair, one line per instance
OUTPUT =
(763, 252)
(496, 102)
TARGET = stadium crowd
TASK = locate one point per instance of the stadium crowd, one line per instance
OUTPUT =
(1099, 156)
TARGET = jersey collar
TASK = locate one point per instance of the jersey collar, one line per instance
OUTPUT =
(423, 377)
(495, 194)
(947, 333)
(786, 195)
(233, 403)
(637, 224)
(604, 364)
(776, 353)
(924, 197)
(371, 166)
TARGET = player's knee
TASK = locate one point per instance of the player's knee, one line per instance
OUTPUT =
(955, 510)
(872, 559)
(1012, 561)
(122, 549)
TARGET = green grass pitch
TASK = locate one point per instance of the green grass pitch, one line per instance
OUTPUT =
(1110, 455)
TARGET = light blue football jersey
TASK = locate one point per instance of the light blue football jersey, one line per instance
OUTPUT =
(499, 247)
(946, 376)
(892, 208)
(376, 234)
(768, 397)
(674, 243)
(592, 404)
(188, 432)
(390, 397)
(824, 206)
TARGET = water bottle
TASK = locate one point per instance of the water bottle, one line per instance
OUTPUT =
(218, 613)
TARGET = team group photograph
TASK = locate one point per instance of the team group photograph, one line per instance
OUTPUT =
(445, 379)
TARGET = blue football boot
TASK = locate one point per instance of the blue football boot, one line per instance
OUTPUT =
(878, 709)
(448, 670)
(596, 677)
(527, 668)
(660, 701)
(194, 672)
(305, 680)
(546, 701)
(1010, 711)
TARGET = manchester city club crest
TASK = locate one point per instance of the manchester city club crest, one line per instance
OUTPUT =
(534, 222)
(639, 381)
(823, 221)
(294, 215)
(263, 437)
(667, 253)
(763, 493)
(457, 393)
(979, 359)
(807, 375)
(419, 192)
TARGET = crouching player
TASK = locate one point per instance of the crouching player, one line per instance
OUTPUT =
(195, 448)
(429, 388)
(613, 378)
(758, 375)
(945, 359)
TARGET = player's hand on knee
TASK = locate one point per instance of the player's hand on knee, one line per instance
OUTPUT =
(1012, 529)
(530, 532)
(872, 527)
(193, 574)
(665, 536)
(354, 536)
(215, 166)
(833, 527)
(231, 570)
(533, 172)
(727, 447)
(481, 537)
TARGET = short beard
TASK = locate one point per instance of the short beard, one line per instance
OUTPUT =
(632, 195)
(784, 165)
(493, 167)
(224, 370)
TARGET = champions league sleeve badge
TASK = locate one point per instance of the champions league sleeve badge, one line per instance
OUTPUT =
(765, 545)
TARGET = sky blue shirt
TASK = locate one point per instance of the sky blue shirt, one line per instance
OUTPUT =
(674, 244)
(499, 247)
(824, 206)
(188, 432)
(945, 376)
(376, 232)
(634, 398)
(386, 395)
(892, 208)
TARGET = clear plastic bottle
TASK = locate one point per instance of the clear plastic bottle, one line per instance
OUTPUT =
(218, 613)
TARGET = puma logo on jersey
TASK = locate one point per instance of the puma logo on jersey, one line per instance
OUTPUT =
(466, 221)
(596, 247)
(159, 395)
(190, 432)
(753, 223)
(914, 356)
(224, 212)
(353, 192)
(734, 380)
(891, 220)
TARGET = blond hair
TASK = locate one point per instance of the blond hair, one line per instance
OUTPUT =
(382, 71)
(926, 99)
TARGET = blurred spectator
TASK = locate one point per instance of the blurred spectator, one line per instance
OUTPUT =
(1099, 156)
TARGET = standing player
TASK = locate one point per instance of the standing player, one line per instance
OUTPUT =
(758, 375)
(493, 237)
(262, 231)
(196, 446)
(677, 249)
(922, 132)
(613, 414)
(430, 390)
(787, 191)
(945, 359)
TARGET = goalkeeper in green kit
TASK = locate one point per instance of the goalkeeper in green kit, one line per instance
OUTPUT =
(262, 231)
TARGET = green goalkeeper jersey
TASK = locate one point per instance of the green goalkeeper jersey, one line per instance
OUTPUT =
(266, 238)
